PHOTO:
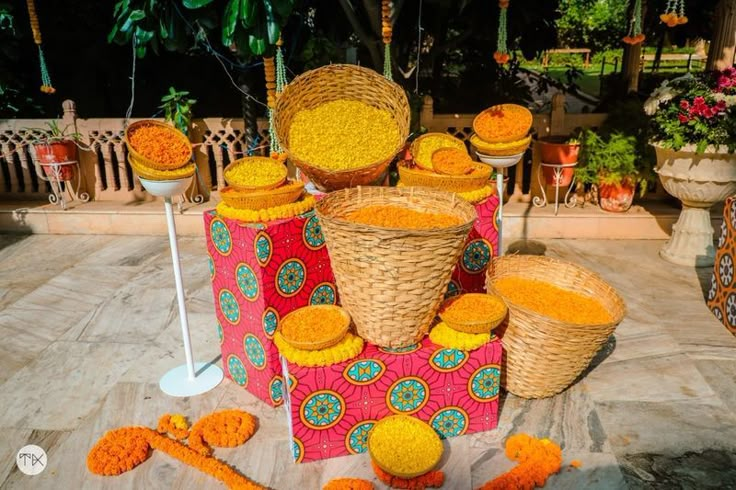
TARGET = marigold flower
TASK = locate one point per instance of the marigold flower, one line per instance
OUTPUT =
(175, 424)
(400, 217)
(350, 346)
(160, 144)
(285, 211)
(538, 460)
(433, 479)
(445, 336)
(348, 484)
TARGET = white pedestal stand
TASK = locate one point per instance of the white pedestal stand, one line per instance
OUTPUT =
(500, 163)
(191, 378)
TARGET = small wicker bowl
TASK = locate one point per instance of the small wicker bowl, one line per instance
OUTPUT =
(263, 199)
(154, 174)
(484, 326)
(500, 149)
(325, 342)
(255, 161)
(525, 113)
(452, 142)
(140, 160)
(420, 425)
(453, 183)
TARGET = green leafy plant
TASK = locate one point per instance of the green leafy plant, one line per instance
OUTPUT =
(609, 159)
(177, 107)
(54, 133)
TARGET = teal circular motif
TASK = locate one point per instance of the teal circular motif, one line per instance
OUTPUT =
(220, 335)
(476, 256)
(247, 282)
(270, 322)
(229, 306)
(263, 249)
(313, 233)
(324, 294)
(448, 359)
(254, 351)
(211, 264)
(277, 390)
(484, 384)
(322, 410)
(221, 237)
(237, 370)
(296, 450)
(449, 422)
(291, 277)
(452, 290)
(408, 396)
(358, 440)
(364, 372)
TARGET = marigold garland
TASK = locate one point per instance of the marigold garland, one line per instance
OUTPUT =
(350, 346)
(674, 13)
(174, 424)
(386, 32)
(227, 428)
(502, 53)
(635, 35)
(443, 335)
(348, 484)
(538, 460)
(265, 215)
(433, 479)
(123, 449)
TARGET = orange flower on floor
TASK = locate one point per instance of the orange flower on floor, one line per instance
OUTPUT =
(538, 460)
(433, 479)
(120, 450)
(576, 463)
(348, 484)
(228, 428)
(175, 424)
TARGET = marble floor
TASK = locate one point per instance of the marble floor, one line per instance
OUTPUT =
(88, 325)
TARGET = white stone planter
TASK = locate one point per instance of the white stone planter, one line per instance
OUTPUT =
(699, 181)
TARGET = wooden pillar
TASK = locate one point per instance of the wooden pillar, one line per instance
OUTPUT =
(426, 116)
(631, 67)
(723, 45)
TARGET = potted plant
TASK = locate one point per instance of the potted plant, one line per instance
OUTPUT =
(693, 128)
(559, 150)
(56, 151)
(610, 162)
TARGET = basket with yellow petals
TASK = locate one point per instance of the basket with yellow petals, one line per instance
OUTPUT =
(155, 145)
(476, 179)
(473, 312)
(255, 173)
(288, 193)
(342, 125)
(404, 446)
(315, 327)
(424, 147)
(503, 123)
(500, 149)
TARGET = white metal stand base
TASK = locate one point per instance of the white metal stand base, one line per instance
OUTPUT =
(177, 383)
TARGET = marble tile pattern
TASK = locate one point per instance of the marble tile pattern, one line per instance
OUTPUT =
(89, 324)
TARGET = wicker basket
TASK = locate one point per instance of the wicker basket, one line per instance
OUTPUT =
(500, 149)
(341, 82)
(325, 343)
(250, 161)
(544, 356)
(153, 174)
(140, 160)
(484, 326)
(392, 281)
(451, 183)
(452, 142)
(263, 199)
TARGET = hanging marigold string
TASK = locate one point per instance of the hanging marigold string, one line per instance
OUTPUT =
(386, 32)
(269, 69)
(46, 86)
(502, 53)
(674, 13)
(635, 35)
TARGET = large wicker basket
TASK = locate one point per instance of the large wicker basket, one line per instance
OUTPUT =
(341, 82)
(543, 356)
(392, 281)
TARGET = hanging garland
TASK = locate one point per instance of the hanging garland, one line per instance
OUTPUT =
(674, 13)
(46, 86)
(502, 53)
(635, 35)
(386, 32)
(275, 73)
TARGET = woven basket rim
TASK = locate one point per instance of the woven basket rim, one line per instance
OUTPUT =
(252, 160)
(480, 167)
(391, 472)
(154, 122)
(290, 185)
(191, 167)
(326, 69)
(559, 263)
(325, 343)
(361, 227)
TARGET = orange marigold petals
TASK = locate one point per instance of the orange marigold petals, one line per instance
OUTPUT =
(160, 144)
(433, 479)
(119, 450)
(175, 424)
(348, 484)
(501, 58)
(452, 161)
(503, 123)
(228, 428)
(576, 463)
(314, 325)
(538, 459)
(398, 217)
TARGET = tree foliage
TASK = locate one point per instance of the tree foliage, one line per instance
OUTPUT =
(594, 24)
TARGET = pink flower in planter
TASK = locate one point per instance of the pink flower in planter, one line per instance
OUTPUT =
(684, 104)
(699, 101)
(683, 118)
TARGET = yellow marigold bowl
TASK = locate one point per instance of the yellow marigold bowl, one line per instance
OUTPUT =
(404, 446)
(324, 338)
(262, 199)
(155, 174)
(480, 325)
(255, 173)
(423, 147)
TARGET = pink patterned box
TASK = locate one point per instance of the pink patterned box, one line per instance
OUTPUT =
(469, 275)
(331, 409)
(261, 272)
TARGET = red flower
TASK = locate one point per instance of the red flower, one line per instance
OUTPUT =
(684, 104)
(708, 112)
(699, 101)
(683, 118)
(721, 105)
